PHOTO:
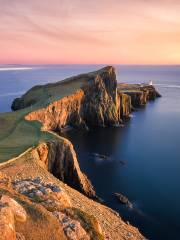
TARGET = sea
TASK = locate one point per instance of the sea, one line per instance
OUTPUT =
(142, 157)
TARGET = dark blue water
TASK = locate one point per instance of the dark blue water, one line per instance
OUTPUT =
(149, 144)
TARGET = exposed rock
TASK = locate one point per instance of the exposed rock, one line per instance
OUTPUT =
(125, 105)
(7, 225)
(18, 211)
(101, 101)
(138, 93)
(71, 227)
(94, 101)
(58, 203)
(60, 159)
(19, 236)
(138, 98)
(95, 104)
(100, 156)
(50, 195)
(123, 199)
(10, 211)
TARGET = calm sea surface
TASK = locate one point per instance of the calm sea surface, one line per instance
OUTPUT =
(149, 144)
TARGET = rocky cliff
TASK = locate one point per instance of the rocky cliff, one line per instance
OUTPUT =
(54, 210)
(140, 94)
(96, 103)
(60, 159)
(125, 105)
(95, 100)
(36, 205)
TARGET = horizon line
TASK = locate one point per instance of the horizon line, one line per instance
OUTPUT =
(86, 64)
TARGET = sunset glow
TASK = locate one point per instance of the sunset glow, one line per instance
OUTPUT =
(79, 31)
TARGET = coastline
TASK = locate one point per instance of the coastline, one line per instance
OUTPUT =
(112, 117)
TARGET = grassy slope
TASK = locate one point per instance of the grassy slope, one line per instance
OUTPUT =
(17, 134)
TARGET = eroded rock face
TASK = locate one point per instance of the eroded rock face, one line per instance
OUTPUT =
(95, 104)
(140, 95)
(60, 159)
(125, 105)
(101, 101)
(67, 111)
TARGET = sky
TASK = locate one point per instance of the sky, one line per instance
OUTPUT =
(90, 32)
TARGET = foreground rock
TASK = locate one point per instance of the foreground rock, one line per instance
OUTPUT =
(56, 211)
(55, 200)
(10, 213)
(14, 219)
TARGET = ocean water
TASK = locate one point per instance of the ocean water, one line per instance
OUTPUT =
(148, 144)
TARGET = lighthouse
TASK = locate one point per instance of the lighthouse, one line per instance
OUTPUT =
(150, 83)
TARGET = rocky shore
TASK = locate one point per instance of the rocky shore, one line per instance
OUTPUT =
(40, 175)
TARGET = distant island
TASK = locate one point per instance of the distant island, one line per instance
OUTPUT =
(44, 193)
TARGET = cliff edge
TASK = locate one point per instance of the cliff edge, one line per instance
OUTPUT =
(43, 166)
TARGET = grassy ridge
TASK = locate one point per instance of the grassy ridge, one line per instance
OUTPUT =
(17, 134)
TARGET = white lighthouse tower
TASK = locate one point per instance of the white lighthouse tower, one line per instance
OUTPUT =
(150, 83)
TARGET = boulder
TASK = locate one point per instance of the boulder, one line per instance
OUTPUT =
(123, 199)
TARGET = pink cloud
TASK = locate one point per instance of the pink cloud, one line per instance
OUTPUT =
(100, 31)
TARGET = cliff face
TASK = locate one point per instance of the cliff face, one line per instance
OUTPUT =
(139, 94)
(95, 104)
(66, 111)
(125, 105)
(60, 159)
(101, 102)
(45, 208)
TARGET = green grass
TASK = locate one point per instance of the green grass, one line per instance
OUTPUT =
(17, 134)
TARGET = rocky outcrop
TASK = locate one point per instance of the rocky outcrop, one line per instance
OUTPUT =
(96, 103)
(42, 204)
(50, 204)
(60, 159)
(123, 199)
(101, 102)
(139, 94)
(66, 111)
(55, 210)
(10, 213)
